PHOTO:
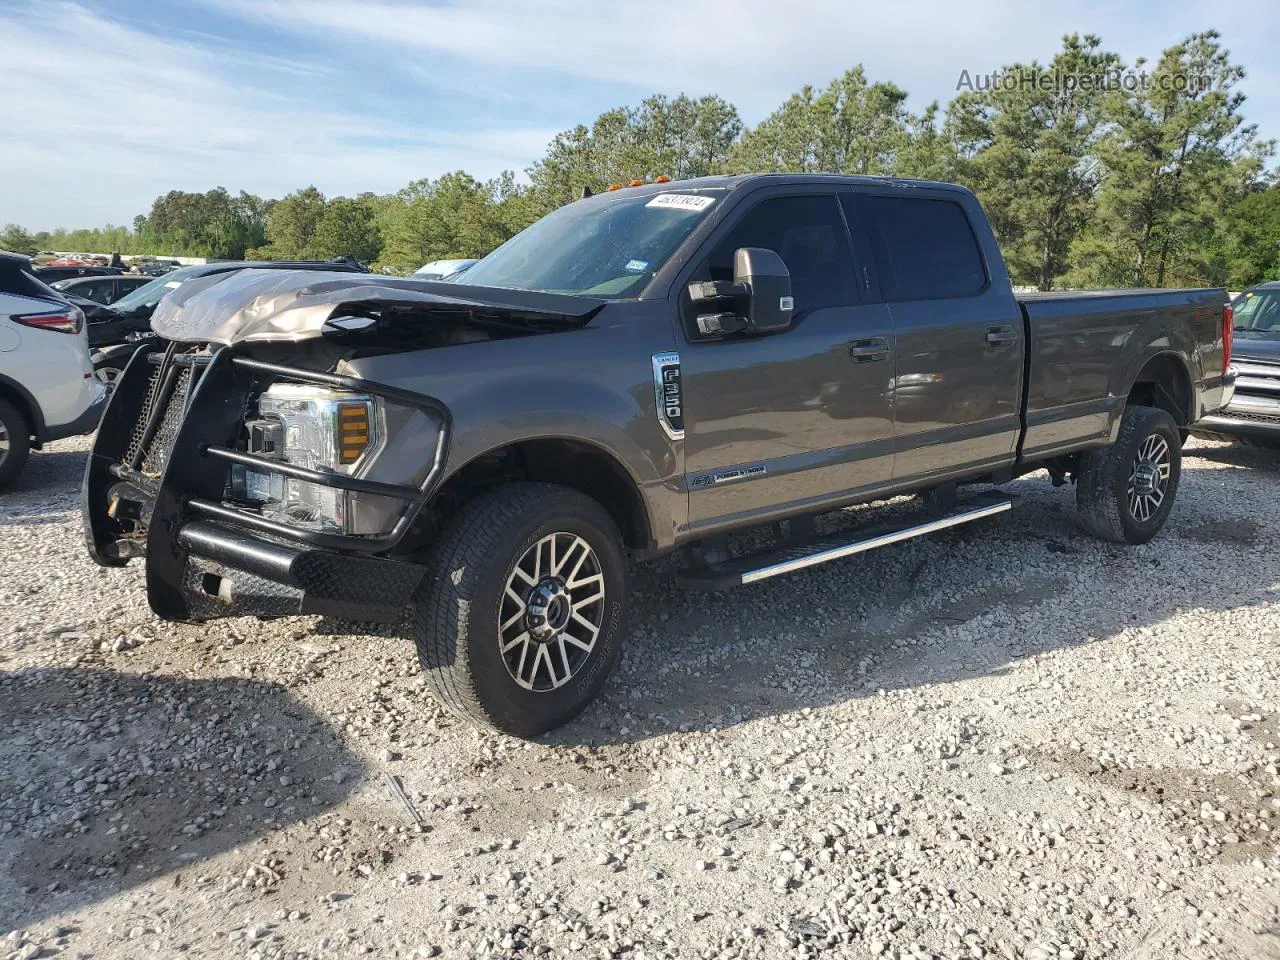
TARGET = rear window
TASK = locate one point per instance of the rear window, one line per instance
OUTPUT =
(925, 248)
(15, 279)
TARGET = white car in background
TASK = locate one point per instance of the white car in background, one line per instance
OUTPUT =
(442, 269)
(47, 387)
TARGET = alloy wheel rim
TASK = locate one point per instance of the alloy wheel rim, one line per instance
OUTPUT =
(551, 612)
(4, 442)
(108, 377)
(1149, 478)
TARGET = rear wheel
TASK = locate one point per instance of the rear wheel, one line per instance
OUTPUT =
(1125, 491)
(522, 616)
(15, 442)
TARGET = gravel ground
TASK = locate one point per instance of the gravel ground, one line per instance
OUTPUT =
(1008, 740)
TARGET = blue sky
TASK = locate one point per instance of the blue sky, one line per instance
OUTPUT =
(106, 105)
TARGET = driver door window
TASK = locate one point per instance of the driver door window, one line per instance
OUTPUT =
(808, 232)
(100, 291)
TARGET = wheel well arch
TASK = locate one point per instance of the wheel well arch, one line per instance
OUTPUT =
(26, 405)
(578, 464)
(1164, 382)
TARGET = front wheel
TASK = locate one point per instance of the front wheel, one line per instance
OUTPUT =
(522, 614)
(1125, 491)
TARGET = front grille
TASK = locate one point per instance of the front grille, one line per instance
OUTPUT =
(156, 455)
(168, 394)
(1251, 417)
(132, 451)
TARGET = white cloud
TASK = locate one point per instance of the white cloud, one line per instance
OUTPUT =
(108, 114)
(756, 52)
(108, 117)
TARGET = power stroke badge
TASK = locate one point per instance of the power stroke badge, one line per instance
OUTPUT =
(668, 394)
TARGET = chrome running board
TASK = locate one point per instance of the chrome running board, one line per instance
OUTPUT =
(788, 559)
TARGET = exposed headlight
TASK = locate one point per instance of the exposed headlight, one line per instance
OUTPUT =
(337, 431)
(311, 427)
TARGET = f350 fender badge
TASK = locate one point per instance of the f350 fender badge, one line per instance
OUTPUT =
(668, 394)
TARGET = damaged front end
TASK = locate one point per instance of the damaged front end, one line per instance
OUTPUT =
(252, 475)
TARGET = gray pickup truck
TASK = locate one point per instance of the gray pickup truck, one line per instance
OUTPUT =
(641, 371)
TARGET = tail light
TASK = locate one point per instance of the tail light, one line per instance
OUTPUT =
(1228, 333)
(69, 320)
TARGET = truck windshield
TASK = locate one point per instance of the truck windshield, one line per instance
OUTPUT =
(149, 294)
(1258, 312)
(607, 247)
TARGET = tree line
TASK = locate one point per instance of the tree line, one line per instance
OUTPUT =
(1087, 184)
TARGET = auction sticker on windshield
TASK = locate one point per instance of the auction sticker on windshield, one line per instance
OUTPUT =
(681, 201)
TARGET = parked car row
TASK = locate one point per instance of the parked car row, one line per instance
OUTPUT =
(100, 289)
(62, 346)
(56, 273)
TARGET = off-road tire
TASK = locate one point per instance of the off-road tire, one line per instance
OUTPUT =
(454, 621)
(1102, 478)
(19, 434)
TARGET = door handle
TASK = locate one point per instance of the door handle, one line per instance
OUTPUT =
(999, 336)
(869, 350)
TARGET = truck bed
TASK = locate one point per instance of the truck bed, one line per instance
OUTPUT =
(1085, 349)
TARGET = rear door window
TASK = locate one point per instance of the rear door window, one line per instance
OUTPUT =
(925, 248)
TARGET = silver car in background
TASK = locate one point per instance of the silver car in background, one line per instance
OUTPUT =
(442, 269)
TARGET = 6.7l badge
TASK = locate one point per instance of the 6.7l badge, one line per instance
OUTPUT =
(668, 394)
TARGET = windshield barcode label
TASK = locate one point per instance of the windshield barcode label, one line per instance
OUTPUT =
(681, 201)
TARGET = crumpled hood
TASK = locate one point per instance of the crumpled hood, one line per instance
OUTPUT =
(293, 305)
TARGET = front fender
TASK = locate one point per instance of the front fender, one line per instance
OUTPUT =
(593, 385)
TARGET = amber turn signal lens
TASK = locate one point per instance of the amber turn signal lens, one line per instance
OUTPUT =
(353, 431)
(662, 178)
(636, 183)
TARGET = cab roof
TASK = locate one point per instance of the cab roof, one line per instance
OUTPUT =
(737, 181)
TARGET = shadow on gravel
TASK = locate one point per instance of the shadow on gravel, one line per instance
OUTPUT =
(112, 779)
(36, 518)
(51, 466)
(1238, 455)
(935, 610)
(53, 473)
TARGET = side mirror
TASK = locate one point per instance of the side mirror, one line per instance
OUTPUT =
(768, 283)
(757, 300)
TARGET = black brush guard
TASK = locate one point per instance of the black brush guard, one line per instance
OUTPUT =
(155, 482)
